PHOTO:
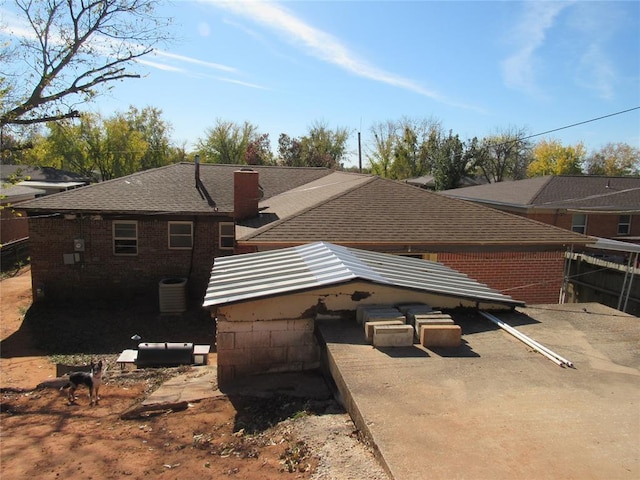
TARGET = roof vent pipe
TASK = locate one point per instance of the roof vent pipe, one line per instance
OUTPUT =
(197, 160)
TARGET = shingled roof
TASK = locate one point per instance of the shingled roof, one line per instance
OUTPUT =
(562, 191)
(372, 210)
(172, 189)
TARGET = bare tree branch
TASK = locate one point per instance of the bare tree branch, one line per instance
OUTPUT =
(76, 50)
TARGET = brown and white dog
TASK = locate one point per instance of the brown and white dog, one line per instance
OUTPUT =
(91, 379)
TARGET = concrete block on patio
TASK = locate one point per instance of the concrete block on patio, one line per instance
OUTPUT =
(368, 327)
(440, 335)
(392, 335)
(363, 310)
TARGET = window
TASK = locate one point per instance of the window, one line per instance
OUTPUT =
(579, 223)
(227, 235)
(125, 238)
(624, 225)
(181, 235)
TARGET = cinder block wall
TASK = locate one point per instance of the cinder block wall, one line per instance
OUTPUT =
(99, 273)
(533, 277)
(255, 347)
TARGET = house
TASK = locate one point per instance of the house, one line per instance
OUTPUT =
(122, 237)
(20, 183)
(13, 226)
(48, 179)
(606, 207)
(266, 303)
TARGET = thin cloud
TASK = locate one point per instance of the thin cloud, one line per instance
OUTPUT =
(599, 74)
(519, 70)
(321, 44)
(195, 61)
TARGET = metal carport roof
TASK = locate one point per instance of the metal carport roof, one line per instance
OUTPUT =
(262, 274)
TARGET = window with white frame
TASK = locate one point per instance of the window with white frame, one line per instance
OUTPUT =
(624, 225)
(579, 224)
(125, 237)
(227, 235)
(181, 235)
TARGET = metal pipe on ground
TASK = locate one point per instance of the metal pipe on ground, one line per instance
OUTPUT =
(550, 354)
(535, 343)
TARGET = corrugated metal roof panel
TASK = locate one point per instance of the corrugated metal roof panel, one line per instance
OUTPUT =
(254, 275)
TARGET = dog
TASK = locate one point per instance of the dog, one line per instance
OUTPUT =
(91, 379)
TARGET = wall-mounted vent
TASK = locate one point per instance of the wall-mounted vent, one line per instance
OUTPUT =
(173, 295)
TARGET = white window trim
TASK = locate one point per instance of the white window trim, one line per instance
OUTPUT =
(115, 239)
(628, 225)
(170, 235)
(221, 236)
(582, 226)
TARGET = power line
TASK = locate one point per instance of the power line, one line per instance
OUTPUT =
(565, 127)
(581, 123)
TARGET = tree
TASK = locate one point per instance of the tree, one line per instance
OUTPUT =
(450, 162)
(552, 158)
(111, 147)
(155, 132)
(614, 159)
(412, 150)
(259, 151)
(289, 154)
(503, 156)
(323, 147)
(381, 156)
(124, 149)
(75, 49)
(402, 147)
(227, 142)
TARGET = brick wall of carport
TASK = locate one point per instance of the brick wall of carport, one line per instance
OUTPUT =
(276, 334)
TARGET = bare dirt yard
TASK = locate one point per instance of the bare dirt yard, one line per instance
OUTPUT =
(245, 437)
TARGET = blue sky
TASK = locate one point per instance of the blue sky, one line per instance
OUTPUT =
(478, 67)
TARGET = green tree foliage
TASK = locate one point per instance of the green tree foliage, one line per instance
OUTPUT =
(323, 147)
(503, 156)
(155, 132)
(227, 142)
(75, 49)
(614, 159)
(381, 155)
(450, 161)
(550, 157)
(289, 154)
(404, 148)
(412, 153)
(320, 147)
(124, 149)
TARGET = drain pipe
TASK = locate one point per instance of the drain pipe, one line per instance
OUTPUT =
(551, 355)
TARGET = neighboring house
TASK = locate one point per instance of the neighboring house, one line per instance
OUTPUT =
(123, 237)
(49, 179)
(13, 226)
(429, 182)
(607, 207)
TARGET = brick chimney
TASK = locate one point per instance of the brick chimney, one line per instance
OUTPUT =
(246, 193)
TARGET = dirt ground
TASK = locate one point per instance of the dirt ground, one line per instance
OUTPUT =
(43, 436)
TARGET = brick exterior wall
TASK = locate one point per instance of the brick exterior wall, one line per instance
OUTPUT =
(599, 225)
(255, 347)
(99, 273)
(532, 277)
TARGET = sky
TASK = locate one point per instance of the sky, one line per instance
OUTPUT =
(478, 67)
